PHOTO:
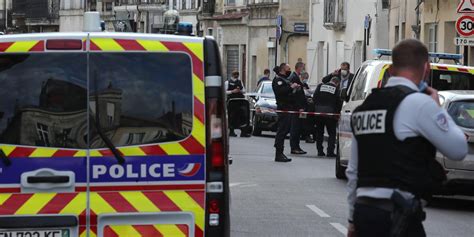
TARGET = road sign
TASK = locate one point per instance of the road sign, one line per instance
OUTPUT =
(300, 27)
(465, 26)
(466, 6)
(464, 41)
(279, 20)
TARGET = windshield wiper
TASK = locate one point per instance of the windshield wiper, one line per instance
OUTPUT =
(6, 161)
(106, 140)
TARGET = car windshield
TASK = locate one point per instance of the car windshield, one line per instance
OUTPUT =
(462, 113)
(267, 90)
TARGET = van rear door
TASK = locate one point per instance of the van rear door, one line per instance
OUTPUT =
(43, 134)
(146, 96)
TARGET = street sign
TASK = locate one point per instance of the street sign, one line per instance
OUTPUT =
(279, 20)
(367, 21)
(278, 33)
(465, 26)
(464, 41)
(300, 27)
(466, 6)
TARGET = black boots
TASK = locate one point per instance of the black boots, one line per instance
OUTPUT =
(280, 157)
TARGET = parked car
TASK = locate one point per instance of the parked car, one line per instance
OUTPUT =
(263, 106)
(460, 105)
(374, 73)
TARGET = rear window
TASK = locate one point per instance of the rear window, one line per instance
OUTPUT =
(462, 113)
(450, 80)
(267, 88)
(141, 98)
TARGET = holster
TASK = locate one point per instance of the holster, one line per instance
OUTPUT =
(405, 212)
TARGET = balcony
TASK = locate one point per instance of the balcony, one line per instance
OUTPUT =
(335, 15)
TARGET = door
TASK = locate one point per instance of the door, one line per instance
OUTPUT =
(43, 138)
(147, 103)
(357, 93)
(232, 59)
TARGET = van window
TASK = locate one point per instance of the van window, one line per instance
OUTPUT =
(462, 113)
(358, 89)
(44, 100)
(141, 97)
(452, 80)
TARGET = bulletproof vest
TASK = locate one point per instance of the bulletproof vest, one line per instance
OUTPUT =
(326, 100)
(385, 161)
(233, 85)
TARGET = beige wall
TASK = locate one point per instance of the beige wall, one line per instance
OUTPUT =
(402, 16)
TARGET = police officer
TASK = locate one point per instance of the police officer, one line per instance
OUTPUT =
(396, 132)
(235, 89)
(284, 94)
(327, 100)
(345, 76)
(300, 104)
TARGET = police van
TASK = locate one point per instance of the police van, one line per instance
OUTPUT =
(374, 73)
(112, 134)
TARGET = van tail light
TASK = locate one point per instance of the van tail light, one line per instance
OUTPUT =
(64, 44)
(217, 159)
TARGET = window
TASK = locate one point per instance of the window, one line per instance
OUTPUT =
(267, 89)
(359, 85)
(397, 34)
(231, 2)
(183, 4)
(108, 6)
(432, 37)
(44, 99)
(334, 11)
(385, 4)
(450, 80)
(141, 96)
(402, 33)
(462, 113)
(193, 4)
(210, 31)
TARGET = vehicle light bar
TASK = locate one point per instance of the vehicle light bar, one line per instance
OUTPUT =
(436, 56)
(63, 44)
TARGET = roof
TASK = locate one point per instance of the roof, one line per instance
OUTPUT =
(231, 16)
(377, 62)
(457, 94)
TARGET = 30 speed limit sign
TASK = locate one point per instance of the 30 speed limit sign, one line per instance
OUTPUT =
(465, 26)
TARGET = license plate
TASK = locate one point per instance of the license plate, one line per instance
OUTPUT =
(35, 233)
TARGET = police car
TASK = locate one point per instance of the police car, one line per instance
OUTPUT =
(460, 174)
(374, 73)
(112, 134)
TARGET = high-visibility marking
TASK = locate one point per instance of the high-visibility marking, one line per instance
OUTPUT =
(174, 149)
(81, 153)
(197, 63)
(198, 198)
(95, 153)
(199, 131)
(152, 45)
(186, 203)
(5, 45)
(21, 46)
(57, 203)
(147, 230)
(43, 153)
(318, 211)
(130, 44)
(4, 197)
(132, 151)
(107, 44)
(11, 205)
(7, 149)
(340, 228)
(125, 230)
(162, 201)
(99, 205)
(76, 206)
(192, 146)
(65, 153)
(197, 49)
(22, 152)
(198, 85)
(109, 232)
(140, 202)
(198, 109)
(169, 230)
(35, 203)
(118, 202)
(153, 150)
(38, 47)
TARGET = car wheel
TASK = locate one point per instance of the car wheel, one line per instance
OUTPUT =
(340, 170)
(255, 130)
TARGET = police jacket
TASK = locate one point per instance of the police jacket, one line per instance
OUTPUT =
(385, 161)
(326, 98)
(232, 85)
(284, 94)
(299, 97)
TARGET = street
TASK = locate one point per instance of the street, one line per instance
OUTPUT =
(303, 197)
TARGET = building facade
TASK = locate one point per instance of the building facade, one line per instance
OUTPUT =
(5, 15)
(343, 30)
(35, 16)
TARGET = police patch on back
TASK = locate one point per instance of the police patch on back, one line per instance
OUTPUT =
(369, 122)
(328, 89)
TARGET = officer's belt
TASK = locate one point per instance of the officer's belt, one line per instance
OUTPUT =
(380, 203)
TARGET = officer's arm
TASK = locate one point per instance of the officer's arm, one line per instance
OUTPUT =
(227, 91)
(438, 127)
(351, 173)
(327, 78)
(281, 89)
(243, 88)
(316, 92)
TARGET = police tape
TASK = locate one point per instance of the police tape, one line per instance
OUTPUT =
(299, 112)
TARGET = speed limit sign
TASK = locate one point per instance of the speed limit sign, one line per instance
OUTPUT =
(465, 26)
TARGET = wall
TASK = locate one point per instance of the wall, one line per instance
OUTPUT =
(328, 48)
(293, 46)
(71, 15)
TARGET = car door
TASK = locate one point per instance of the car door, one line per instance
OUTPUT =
(357, 93)
(43, 136)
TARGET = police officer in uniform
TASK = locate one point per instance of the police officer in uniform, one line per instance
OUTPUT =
(235, 89)
(396, 132)
(285, 98)
(327, 100)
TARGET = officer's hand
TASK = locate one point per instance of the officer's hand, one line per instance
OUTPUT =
(237, 90)
(295, 85)
(336, 72)
(433, 93)
(351, 230)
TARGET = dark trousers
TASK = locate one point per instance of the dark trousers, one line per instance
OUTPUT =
(287, 123)
(237, 115)
(309, 127)
(374, 222)
(330, 124)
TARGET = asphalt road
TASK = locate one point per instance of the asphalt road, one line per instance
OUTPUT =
(303, 197)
